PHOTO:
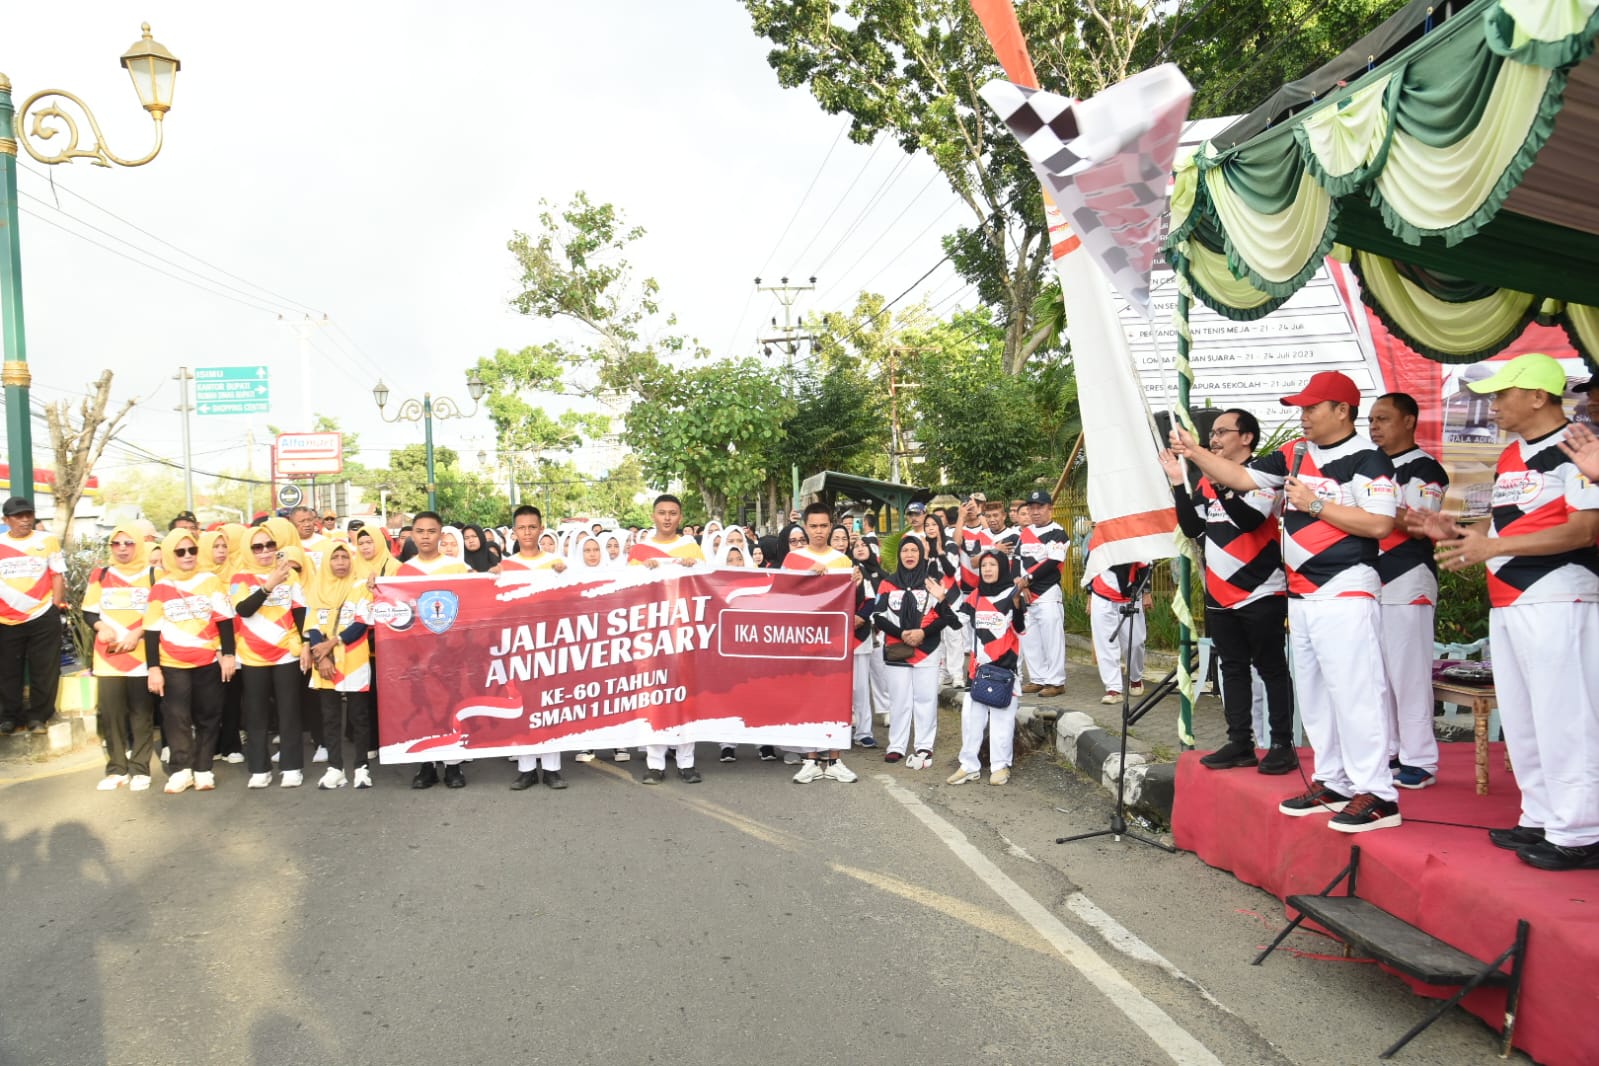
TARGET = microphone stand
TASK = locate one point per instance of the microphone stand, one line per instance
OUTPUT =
(1118, 818)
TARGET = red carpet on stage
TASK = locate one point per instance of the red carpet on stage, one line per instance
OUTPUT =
(1449, 881)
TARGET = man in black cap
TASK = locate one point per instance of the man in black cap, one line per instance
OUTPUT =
(33, 593)
(181, 520)
(1041, 551)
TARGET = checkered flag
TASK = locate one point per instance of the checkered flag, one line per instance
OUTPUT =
(1106, 161)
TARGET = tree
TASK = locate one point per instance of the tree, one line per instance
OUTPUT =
(462, 496)
(509, 378)
(156, 491)
(77, 448)
(839, 422)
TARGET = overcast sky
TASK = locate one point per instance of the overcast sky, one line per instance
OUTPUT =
(370, 161)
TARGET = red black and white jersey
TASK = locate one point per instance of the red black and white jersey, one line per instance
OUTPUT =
(1041, 550)
(974, 541)
(1117, 583)
(1322, 560)
(1243, 550)
(933, 615)
(997, 623)
(1407, 567)
(1536, 488)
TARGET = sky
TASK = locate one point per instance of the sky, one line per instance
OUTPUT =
(368, 163)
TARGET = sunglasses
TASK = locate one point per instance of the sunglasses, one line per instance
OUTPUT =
(184, 553)
(265, 546)
(122, 544)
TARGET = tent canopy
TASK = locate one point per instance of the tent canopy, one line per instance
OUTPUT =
(829, 485)
(1440, 173)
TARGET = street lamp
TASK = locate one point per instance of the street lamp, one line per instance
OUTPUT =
(154, 70)
(424, 411)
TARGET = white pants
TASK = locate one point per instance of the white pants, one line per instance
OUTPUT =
(1343, 692)
(1044, 640)
(879, 678)
(1407, 657)
(1546, 674)
(1103, 618)
(861, 690)
(1000, 722)
(551, 761)
(913, 697)
(655, 756)
(952, 647)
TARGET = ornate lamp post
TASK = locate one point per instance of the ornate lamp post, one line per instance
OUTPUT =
(424, 411)
(154, 70)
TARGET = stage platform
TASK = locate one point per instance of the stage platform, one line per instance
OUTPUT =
(1446, 879)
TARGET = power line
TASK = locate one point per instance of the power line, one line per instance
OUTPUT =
(908, 245)
(877, 144)
(806, 196)
(849, 231)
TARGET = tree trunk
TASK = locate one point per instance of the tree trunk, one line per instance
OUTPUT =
(77, 450)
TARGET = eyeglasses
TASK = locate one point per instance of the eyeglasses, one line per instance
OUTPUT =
(122, 544)
(1221, 431)
(264, 546)
(184, 553)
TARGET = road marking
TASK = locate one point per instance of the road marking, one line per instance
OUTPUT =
(995, 924)
(1182, 1047)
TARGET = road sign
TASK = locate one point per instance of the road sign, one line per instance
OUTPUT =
(289, 495)
(232, 390)
(310, 453)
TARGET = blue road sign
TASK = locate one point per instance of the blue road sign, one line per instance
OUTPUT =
(232, 390)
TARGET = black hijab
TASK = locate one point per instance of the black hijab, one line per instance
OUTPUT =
(911, 580)
(993, 592)
(768, 546)
(775, 560)
(480, 559)
(869, 567)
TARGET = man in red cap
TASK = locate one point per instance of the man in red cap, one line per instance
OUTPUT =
(1339, 502)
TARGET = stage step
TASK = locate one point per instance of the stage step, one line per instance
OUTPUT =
(1393, 941)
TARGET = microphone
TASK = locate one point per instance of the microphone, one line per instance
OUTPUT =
(1299, 458)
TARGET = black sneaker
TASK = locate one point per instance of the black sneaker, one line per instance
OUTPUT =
(1364, 813)
(1231, 755)
(654, 777)
(689, 774)
(1318, 800)
(454, 777)
(426, 776)
(553, 779)
(728, 754)
(1516, 837)
(525, 780)
(1547, 856)
(768, 753)
(1281, 759)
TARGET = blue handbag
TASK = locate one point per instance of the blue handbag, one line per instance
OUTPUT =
(994, 686)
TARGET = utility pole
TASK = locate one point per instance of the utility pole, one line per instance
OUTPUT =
(895, 442)
(788, 338)
(249, 472)
(183, 408)
(302, 334)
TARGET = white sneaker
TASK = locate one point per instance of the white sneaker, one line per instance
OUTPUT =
(961, 777)
(139, 783)
(809, 771)
(923, 759)
(792, 758)
(233, 758)
(291, 779)
(205, 781)
(1000, 776)
(1111, 697)
(259, 781)
(112, 782)
(331, 780)
(363, 777)
(623, 755)
(181, 781)
(320, 755)
(585, 756)
(839, 772)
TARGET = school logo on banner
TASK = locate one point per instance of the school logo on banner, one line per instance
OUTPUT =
(438, 610)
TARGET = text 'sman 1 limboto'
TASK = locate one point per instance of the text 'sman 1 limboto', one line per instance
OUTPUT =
(1246, 597)
(1543, 625)
(665, 546)
(1338, 490)
(527, 526)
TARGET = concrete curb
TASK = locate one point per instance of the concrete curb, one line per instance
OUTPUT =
(64, 734)
(1151, 787)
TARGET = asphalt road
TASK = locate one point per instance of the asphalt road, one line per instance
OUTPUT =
(745, 920)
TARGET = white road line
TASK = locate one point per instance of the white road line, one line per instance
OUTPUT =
(1173, 1039)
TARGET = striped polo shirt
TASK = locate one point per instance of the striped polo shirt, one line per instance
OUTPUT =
(1536, 488)
(27, 566)
(1407, 566)
(185, 611)
(268, 637)
(120, 599)
(1241, 566)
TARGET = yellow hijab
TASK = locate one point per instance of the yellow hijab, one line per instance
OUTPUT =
(249, 562)
(208, 543)
(141, 550)
(370, 571)
(323, 591)
(236, 549)
(169, 560)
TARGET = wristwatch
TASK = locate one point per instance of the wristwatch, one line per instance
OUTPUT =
(1316, 507)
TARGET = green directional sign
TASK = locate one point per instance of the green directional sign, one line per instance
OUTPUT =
(232, 390)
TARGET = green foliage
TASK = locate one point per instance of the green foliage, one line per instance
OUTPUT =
(156, 490)
(462, 496)
(839, 420)
(509, 378)
(1462, 612)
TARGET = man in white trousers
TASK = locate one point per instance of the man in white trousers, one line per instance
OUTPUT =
(1543, 625)
(1409, 590)
(1117, 637)
(1339, 502)
(1041, 551)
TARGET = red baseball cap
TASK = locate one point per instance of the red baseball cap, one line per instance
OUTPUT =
(1327, 385)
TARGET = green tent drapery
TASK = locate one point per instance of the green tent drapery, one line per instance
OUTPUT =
(1441, 175)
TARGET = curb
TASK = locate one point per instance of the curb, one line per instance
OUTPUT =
(63, 735)
(1151, 787)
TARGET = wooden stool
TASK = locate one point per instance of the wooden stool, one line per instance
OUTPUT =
(1483, 701)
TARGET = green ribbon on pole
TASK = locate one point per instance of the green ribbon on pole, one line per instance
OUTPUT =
(1188, 551)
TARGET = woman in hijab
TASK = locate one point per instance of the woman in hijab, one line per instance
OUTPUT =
(338, 616)
(866, 668)
(450, 542)
(997, 615)
(113, 606)
(945, 563)
(790, 537)
(475, 550)
(189, 652)
(762, 551)
(549, 543)
(911, 614)
(269, 599)
(838, 540)
(372, 557)
(220, 553)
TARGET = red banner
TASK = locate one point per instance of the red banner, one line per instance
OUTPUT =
(470, 667)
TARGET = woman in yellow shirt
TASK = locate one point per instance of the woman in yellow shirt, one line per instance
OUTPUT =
(114, 606)
(270, 602)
